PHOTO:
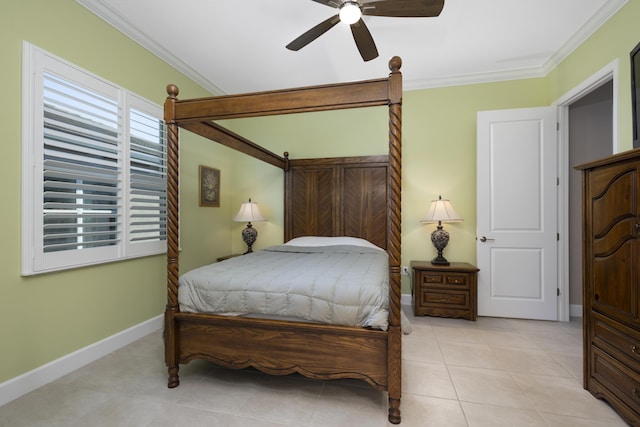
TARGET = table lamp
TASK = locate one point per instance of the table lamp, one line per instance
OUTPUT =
(249, 212)
(440, 211)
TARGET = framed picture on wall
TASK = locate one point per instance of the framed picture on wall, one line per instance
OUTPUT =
(635, 93)
(209, 187)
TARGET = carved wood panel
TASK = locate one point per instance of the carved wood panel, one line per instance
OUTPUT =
(365, 203)
(312, 202)
(613, 241)
(337, 197)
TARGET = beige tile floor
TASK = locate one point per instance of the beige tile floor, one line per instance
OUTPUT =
(493, 372)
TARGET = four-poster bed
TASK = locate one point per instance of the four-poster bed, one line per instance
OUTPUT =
(353, 196)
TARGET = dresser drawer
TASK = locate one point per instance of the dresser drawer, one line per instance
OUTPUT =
(440, 279)
(623, 383)
(616, 339)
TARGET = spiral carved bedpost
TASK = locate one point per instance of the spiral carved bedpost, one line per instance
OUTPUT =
(394, 239)
(173, 159)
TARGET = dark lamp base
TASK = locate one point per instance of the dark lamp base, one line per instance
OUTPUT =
(249, 235)
(439, 260)
(440, 238)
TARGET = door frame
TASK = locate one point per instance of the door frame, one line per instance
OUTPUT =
(608, 73)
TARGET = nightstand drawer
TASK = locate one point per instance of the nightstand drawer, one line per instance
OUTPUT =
(457, 280)
(445, 298)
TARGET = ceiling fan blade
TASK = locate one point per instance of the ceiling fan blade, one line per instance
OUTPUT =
(331, 3)
(364, 41)
(313, 33)
(403, 8)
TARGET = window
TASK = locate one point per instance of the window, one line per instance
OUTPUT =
(94, 169)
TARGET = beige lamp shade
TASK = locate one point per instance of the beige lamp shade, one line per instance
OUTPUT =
(441, 211)
(249, 212)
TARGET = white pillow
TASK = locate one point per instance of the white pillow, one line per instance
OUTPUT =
(330, 241)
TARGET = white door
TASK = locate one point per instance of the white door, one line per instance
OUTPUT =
(517, 213)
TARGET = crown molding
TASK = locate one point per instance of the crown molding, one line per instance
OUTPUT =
(591, 26)
(112, 17)
(473, 78)
(121, 23)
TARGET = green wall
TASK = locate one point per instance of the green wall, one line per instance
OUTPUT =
(439, 136)
(438, 151)
(306, 135)
(439, 148)
(48, 316)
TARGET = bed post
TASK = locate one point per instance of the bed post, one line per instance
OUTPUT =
(170, 347)
(393, 239)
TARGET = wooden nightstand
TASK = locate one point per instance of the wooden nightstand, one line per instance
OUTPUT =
(222, 258)
(445, 290)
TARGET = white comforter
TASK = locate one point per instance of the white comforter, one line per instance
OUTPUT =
(342, 285)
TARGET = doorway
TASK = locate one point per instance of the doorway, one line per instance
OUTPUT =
(590, 138)
(587, 117)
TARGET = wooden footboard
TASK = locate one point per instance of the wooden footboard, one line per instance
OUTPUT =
(279, 347)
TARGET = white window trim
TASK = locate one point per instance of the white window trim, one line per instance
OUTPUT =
(34, 261)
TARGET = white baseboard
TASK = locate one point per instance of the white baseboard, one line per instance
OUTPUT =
(27, 382)
(405, 299)
(575, 310)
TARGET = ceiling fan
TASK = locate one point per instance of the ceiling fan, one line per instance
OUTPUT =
(351, 11)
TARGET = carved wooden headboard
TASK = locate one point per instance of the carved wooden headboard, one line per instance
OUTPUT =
(342, 196)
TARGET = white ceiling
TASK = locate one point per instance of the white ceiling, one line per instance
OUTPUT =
(237, 46)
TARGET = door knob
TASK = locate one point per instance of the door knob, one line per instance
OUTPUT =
(484, 239)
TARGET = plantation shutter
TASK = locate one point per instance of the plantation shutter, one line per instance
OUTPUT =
(94, 169)
(81, 207)
(147, 178)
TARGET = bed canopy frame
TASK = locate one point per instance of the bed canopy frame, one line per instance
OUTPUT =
(281, 347)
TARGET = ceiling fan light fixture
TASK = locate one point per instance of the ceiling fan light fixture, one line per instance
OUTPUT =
(350, 12)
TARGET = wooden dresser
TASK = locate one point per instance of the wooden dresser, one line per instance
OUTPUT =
(611, 292)
(444, 290)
